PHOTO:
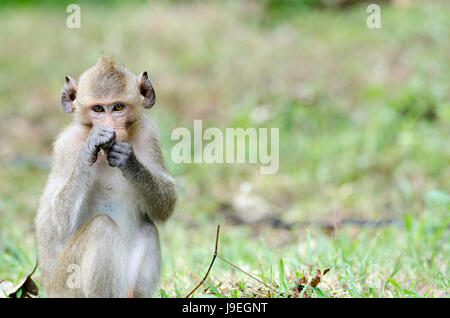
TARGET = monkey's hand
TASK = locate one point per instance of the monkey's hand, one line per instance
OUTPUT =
(121, 155)
(99, 137)
(156, 189)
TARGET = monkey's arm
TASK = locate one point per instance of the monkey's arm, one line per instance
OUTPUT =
(70, 180)
(157, 188)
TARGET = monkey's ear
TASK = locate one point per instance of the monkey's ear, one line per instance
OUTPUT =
(146, 90)
(68, 94)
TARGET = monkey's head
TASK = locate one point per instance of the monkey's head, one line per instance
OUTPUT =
(110, 95)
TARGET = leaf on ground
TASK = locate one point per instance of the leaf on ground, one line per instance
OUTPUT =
(5, 288)
(303, 282)
(26, 288)
(316, 279)
(299, 285)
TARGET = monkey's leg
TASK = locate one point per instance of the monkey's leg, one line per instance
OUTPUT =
(145, 262)
(93, 264)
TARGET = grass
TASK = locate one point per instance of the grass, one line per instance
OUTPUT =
(388, 262)
(364, 123)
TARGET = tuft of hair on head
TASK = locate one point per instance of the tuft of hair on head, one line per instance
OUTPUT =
(109, 79)
(106, 64)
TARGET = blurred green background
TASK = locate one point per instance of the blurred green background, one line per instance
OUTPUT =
(364, 123)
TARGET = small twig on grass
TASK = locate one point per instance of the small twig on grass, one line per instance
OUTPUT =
(229, 263)
(210, 265)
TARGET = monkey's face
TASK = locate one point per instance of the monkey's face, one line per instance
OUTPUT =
(109, 95)
(119, 114)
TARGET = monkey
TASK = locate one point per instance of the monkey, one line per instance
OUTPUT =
(108, 188)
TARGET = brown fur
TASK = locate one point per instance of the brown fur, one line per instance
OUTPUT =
(106, 80)
(98, 216)
(109, 80)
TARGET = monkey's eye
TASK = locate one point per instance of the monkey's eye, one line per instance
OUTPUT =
(118, 107)
(97, 109)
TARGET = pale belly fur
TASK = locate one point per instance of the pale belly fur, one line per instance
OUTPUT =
(106, 198)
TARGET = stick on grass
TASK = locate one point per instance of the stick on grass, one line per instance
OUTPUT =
(229, 263)
(210, 265)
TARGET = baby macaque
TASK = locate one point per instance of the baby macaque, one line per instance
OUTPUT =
(108, 187)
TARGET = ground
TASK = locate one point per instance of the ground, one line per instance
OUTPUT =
(364, 123)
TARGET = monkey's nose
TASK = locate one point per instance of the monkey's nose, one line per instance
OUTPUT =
(109, 122)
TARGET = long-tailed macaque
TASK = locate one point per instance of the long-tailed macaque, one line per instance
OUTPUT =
(108, 187)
